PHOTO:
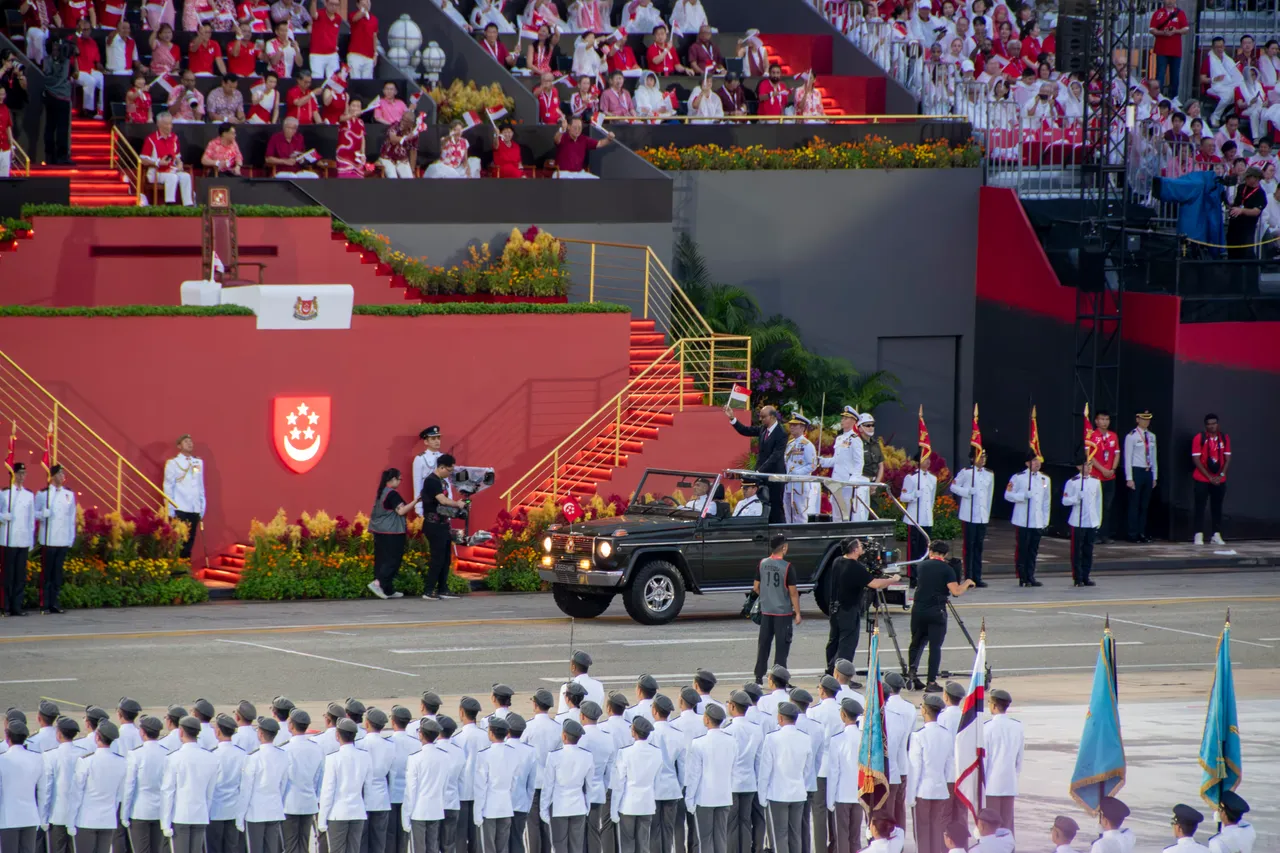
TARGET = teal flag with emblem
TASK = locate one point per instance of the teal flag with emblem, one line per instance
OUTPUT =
(1100, 763)
(1220, 746)
(873, 776)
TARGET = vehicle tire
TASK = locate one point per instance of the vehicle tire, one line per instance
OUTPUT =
(656, 593)
(578, 605)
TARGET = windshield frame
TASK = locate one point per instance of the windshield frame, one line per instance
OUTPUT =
(638, 506)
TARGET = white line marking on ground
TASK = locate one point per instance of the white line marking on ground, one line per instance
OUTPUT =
(1160, 628)
(559, 661)
(679, 642)
(342, 633)
(1270, 639)
(477, 649)
(36, 680)
(317, 657)
(1020, 610)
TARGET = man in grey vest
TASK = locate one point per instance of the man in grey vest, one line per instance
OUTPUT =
(779, 605)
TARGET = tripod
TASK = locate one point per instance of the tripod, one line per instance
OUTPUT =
(878, 611)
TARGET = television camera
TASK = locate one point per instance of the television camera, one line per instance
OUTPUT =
(468, 482)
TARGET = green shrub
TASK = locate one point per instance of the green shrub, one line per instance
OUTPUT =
(441, 308)
(126, 311)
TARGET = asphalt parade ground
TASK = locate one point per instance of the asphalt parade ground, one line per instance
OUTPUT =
(1042, 645)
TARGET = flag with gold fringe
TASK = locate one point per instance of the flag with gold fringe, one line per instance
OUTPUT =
(1090, 441)
(926, 447)
(1100, 761)
(1035, 436)
(1220, 757)
(873, 776)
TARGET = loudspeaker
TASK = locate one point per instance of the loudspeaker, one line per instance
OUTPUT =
(1073, 37)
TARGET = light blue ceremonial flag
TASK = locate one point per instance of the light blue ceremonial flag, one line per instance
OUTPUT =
(1100, 764)
(873, 777)
(1220, 746)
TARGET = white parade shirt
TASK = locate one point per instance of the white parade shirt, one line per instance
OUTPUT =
(842, 767)
(543, 734)
(424, 465)
(746, 766)
(671, 744)
(974, 488)
(428, 775)
(1030, 495)
(18, 514)
(603, 753)
(306, 773)
(346, 772)
(262, 786)
(496, 767)
(565, 782)
(827, 715)
(1084, 496)
(918, 493)
(56, 509)
(634, 779)
(405, 745)
(709, 779)
(59, 774)
(785, 766)
(595, 690)
(748, 507)
(184, 484)
(523, 790)
(899, 722)
(226, 781)
(143, 778)
(1003, 739)
(931, 763)
(1234, 838)
(190, 778)
(470, 740)
(96, 791)
(24, 788)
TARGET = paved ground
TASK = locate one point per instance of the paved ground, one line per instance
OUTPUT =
(1042, 647)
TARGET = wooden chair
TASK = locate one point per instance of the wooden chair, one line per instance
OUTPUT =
(218, 236)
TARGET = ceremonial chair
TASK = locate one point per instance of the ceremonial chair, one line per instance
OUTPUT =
(218, 237)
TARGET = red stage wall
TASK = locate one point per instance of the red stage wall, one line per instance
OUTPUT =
(510, 388)
(76, 260)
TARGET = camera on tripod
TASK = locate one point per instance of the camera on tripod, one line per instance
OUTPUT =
(468, 481)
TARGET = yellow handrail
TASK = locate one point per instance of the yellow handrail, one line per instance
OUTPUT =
(127, 160)
(21, 161)
(96, 468)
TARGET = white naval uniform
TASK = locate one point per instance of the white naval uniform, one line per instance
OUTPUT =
(565, 783)
(845, 463)
(1030, 494)
(709, 786)
(800, 458)
(595, 691)
(974, 488)
(496, 768)
(919, 492)
(24, 790)
(603, 753)
(424, 465)
(262, 789)
(17, 518)
(184, 484)
(346, 772)
(786, 763)
(56, 509)
(306, 773)
(1234, 838)
(749, 507)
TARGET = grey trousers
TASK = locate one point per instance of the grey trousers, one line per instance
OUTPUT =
(189, 837)
(633, 833)
(519, 821)
(374, 837)
(296, 832)
(806, 825)
(820, 817)
(539, 834)
(687, 831)
(468, 832)
(146, 836)
(425, 836)
(662, 832)
(449, 831)
(1004, 805)
(847, 827)
(85, 841)
(785, 820)
(222, 837)
(59, 841)
(930, 818)
(568, 834)
(596, 818)
(608, 829)
(263, 836)
(344, 836)
(19, 840)
(495, 834)
(743, 835)
(397, 839)
(713, 828)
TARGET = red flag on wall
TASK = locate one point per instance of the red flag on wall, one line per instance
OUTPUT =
(46, 458)
(975, 435)
(1035, 436)
(926, 448)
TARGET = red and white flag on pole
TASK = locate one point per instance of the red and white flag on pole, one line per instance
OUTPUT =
(620, 34)
(739, 397)
(970, 752)
(529, 33)
(496, 112)
(168, 82)
(338, 80)
(471, 119)
(46, 458)
(11, 459)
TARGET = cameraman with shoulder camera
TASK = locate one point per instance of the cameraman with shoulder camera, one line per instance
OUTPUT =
(57, 102)
(435, 526)
(849, 580)
(937, 578)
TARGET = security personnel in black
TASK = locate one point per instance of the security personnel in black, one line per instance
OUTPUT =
(849, 580)
(936, 580)
(435, 527)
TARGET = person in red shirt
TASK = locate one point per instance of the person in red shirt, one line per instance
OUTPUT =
(362, 50)
(303, 102)
(1211, 452)
(1169, 25)
(325, 24)
(773, 94)
(549, 111)
(71, 11)
(255, 15)
(507, 158)
(162, 155)
(493, 46)
(572, 147)
(137, 101)
(621, 57)
(661, 57)
(242, 54)
(88, 69)
(1104, 467)
(204, 56)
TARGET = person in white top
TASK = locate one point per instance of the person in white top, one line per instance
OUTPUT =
(956, 837)
(24, 791)
(641, 17)
(1115, 838)
(564, 793)
(750, 506)
(745, 833)
(428, 774)
(143, 780)
(579, 666)
(96, 792)
(1004, 741)
(886, 835)
(619, 714)
(899, 722)
(688, 16)
(919, 492)
(1084, 495)
(202, 710)
(826, 714)
(1236, 834)
(46, 736)
(953, 694)
(1185, 822)
(55, 507)
(223, 836)
(59, 772)
(245, 737)
(342, 813)
(1140, 473)
(845, 461)
(543, 734)
(786, 762)
(709, 781)
(496, 769)
(1062, 833)
(974, 486)
(424, 464)
(187, 790)
(633, 787)
(688, 723)
(1030, 493)
(127, 712)
(667, 827)
(931, 767)
(404, 745)
(471, 739)
(992, 837)
(260, 811)
(704, 681)
(844, 795)
(17, 535)
(281, 706)
(1223, 76)
(604, 751)
(377, 794)
(701, 494)
(302, 788)
(184, 487)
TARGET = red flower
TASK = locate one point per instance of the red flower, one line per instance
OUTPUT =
(532, 233)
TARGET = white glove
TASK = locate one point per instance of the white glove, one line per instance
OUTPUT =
(167, 831)
(322, 827)
(124, 823)
(71, 831)
(240, 824)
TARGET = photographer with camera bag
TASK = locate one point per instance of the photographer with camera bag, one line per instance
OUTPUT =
(435, 526)
(937, 578)
(849, 580)
(389, 530)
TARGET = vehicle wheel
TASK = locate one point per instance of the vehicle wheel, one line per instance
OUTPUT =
(656, 594)
(577, 605)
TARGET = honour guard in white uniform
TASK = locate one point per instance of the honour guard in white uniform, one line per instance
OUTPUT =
(24, 791)
(704, 681)
(579, 666)
(669, 786)
(191, 778)
(222, 836)
(646, 689)
(17, 535)
(930, 769)
(302, 791)
(522, 795)
(974, 486)
(245, 737)
(497, 769)
(919, 492)
(202, 710)
(603, 752)
(1003, 764)
(1185, 822)
(342, 813)
(424, 464)
(377, 793)
(93, 717)
(826, 714)
(56, 509)
(543, 734)
(709, 781)
(471, 740)
(1029, 492)
(59, 774)
(143, 782)
(564, 793)
(899, 721)
(1115, 838)
(184, 486)
(845, 460)
(281, 707)
(633, 801)
(1084, 495)
(46, 737)
(127, 712)
(786, 763)
(1236, 835)
(405, 745)
(748, 738)
(96, 792)
(843, 793)
(429, 773)
(260, 812)
(750, 505)
(800, 458)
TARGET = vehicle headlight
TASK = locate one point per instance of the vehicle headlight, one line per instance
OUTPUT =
(604, 549)
(546, 544)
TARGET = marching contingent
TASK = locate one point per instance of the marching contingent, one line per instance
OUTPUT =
(774, 768)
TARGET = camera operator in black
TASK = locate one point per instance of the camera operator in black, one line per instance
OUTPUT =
(57, 101)
(849, 580)
(435, 494)
(937, 578)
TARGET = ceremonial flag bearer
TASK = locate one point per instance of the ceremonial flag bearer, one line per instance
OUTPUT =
(1030, 492)
(1084, 495)
(56, 509)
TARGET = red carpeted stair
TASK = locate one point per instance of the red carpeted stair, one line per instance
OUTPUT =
(93, 182)
(225, 569)
(842, 95)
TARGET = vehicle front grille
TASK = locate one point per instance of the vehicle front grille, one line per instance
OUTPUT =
(561, 544)
(566, 573)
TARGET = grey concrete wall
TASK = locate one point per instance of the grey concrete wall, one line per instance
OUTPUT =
(875, 266)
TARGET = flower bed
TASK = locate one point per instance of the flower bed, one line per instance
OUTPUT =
(874, 152)
(461, 98)
(897, 466)
(531, 266)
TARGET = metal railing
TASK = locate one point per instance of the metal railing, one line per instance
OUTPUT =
(830, 118)
(127, 161)
(705, 368)
(21, 162)
(98, 472)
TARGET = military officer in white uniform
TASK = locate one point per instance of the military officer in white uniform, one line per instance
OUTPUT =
(1186, 821)
(143, 781)
(281, 706)
(222, 835)
(704, 681)
(46, 737)
(579, 666)
(59, 773)
(564, 793)
(428, 775)
(405, 745)
(302, 791)
(96, 792)
(346, 772)
(202, 710)
(974, 486)
(172, 738)
(646, 689)
(521, 797)
(187, 790)
(497, 768)
(709, 781)
(56, 510)
(826, 714)
(260, 811)
(633, 801)
(471, 740)
(543, 734)
(786, 763)
(500, 698)
(1004, 738)
(1084, 495)
(919, 492)
(748, 738)
(1236, 835)
(1030, 493)
(184, 486)
(669, 787)
(800, 457)
(93, 717)
(845, 461)
(424, 464)
(17, 535)
(931, 767)
(24, 791)
(844, 798)
(1141, 472)
(750, 505)
(377, 794)
(246, 737)
(603, 751)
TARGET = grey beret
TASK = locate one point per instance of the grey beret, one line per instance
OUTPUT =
(753, 690)
(845, 668)
(590, 710)
(934, 701)
(780, 673)
(852, 707)
(190, 725)
(990, 816)
(573, 728)
(663, 704)
(1002, 695)
(16, 714)
(715, 713)
(151, 725)
(801, 696)
(93, 712)
(300, 718)
(226, 723)
(575, 691)
(428, 725)
(203, 706)
(48, 709)
(270, 725)
(129, 706)
(741, 698)
(17, 728)
(176, 712)
(706, 676)
(377, 717)
(829, 684)
(581, 658)
(447, 725)
(333, 709)
(516, 723)
(354, 706)
(282, 703)
(470, 704)
(68, 726)
(690, 696)
(544, 698)
(955, 690)
(107, 729)
(788, 709)
(347, 725)
(247, 710)
(617, 701)
(431, 699)
(499, 726)
(647, 682)
(895, 680)
(502, 691)
(401, 714)
(642, 726)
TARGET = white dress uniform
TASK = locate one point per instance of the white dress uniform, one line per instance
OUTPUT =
(496, 769)
(187, 795)
(44, 740)
(59, 776)
(769, 703)
(184, 484)
(689, 725)
(1084, 496)
(704, 700)
(709, 787)
(1003, 738)
(429, 774)
(843, 794)
(24, 798)
(301, 791)
(899, 721)
(669, 787)
(603, 752)
(96, 792)
(919, 492)
(342, 812)
(544, 735)
(377, 792)
(129, 740)
(748, 738)
(1115, 841)
(206, 740)
(564, 797)
(974, 488)
(1234, 838)
(931, 763)
(1030, 493)
(17, 535)
(634, 801)
(471, 740)
(1186, 845)
(56, 510)
(143, 784)
(260, 812)
(845, 463)
(826, 714)
(800, 458)
(786, 762)
(749, 507)
(595, 691)
(221, 836)
(643, 708)
(424, 464)
(405, 745)
(246, 737)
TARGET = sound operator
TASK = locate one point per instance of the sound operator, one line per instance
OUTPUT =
(936, 581)
(435, 527)
(850, 579)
